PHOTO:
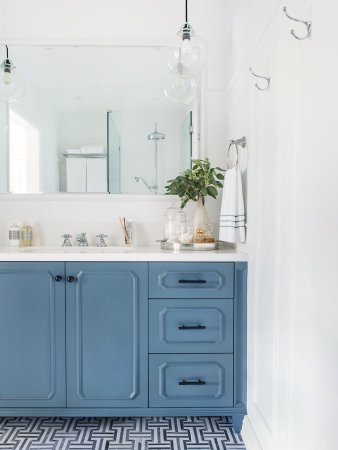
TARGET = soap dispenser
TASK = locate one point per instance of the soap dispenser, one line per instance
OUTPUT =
(14, 234)
(26, 235)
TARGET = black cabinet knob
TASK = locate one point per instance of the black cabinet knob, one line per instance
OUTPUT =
(58, 278)
(70, 279)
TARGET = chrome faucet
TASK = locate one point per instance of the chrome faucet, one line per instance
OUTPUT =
(82, 240)
(100, 240)
(66, 240)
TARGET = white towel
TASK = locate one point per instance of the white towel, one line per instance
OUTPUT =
(73, 151)
(96, 175)
(76, 174)
(232, 219)
(94, 148)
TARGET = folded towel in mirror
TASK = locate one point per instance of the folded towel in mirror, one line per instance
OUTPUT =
(93, 148)
(73, 151)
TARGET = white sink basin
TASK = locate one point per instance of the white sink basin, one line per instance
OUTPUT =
(75, 249)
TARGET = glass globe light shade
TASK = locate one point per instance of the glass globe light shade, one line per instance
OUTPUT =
(179, 89)
(12, 86)
(188, 51)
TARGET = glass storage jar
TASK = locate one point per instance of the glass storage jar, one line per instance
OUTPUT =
(174, 218)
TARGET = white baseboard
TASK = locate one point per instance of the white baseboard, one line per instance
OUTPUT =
(249, 436)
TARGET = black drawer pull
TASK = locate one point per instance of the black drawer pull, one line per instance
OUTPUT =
(58, 278)
(192, 327)
(191, 383)
(192, 281)
(70, 279)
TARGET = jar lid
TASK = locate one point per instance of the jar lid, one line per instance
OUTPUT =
(174, 210)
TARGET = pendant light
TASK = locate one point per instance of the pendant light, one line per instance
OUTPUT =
(187, 55)
(180, 89)
(12, 87)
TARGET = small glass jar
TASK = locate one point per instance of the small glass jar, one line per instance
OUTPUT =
(186, 233)
(204, 234)
(129, 233)
(174, 218)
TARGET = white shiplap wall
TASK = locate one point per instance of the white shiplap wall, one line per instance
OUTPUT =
(292, 220)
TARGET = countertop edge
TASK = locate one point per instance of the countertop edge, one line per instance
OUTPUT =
(136, 255)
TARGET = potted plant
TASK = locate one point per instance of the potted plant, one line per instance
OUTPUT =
(195, 184)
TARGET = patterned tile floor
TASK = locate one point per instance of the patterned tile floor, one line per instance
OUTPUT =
(140, 433)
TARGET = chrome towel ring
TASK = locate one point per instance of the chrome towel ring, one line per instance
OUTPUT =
(236, 142)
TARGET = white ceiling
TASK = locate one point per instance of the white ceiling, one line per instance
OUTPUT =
(133, 22)
(102, 19)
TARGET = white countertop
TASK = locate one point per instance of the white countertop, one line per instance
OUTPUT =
(138, 253)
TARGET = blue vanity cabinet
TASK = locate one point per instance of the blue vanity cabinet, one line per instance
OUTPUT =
(123, 339)
(107, 335)
(32, 335)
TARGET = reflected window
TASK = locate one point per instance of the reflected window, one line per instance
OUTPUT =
(24, 149)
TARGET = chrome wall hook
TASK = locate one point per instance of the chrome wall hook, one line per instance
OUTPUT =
(308, 25)
(267, 79)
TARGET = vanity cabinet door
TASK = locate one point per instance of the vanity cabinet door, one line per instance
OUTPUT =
(107, 334)
(32, 334)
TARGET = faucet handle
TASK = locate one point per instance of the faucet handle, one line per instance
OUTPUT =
(66, 241)
(82, 239)
(100, 241)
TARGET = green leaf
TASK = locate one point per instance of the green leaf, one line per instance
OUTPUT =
(220, 176)
(212, 191)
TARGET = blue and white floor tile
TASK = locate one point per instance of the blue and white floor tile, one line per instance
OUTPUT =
(140, 433)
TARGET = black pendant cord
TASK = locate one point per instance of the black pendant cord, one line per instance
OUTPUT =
(186, 27)
(7, 63)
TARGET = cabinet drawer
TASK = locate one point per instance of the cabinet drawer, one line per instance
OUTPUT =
(190, 380)
(191, 280)
(186, 326)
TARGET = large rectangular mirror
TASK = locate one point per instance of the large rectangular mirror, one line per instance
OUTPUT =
(94, 119)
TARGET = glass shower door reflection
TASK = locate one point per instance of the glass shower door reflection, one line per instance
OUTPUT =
(186, 142)
(114, 154)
